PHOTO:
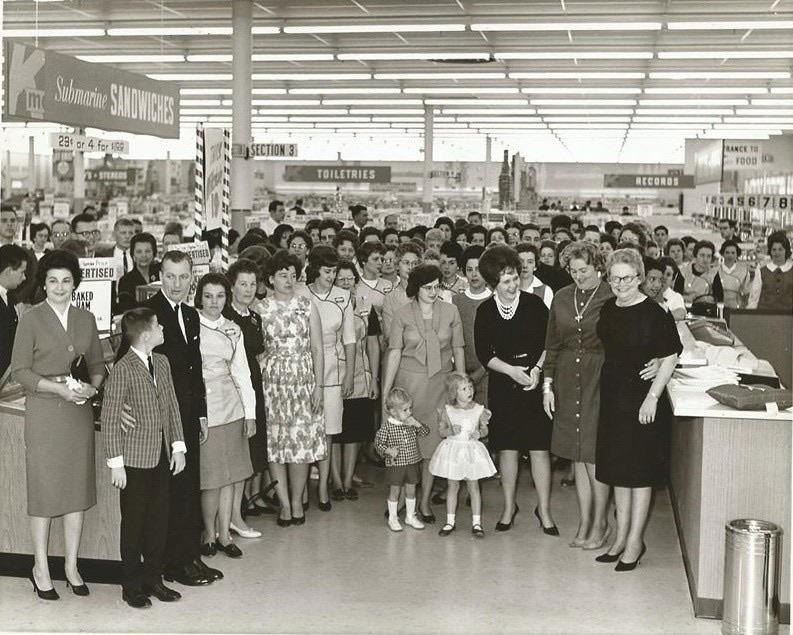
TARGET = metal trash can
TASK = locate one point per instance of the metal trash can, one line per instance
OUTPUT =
(751, 578)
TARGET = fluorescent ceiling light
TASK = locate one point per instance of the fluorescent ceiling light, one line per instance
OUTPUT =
(285, 102)
(588, 119)
(195, 77)
(353, 90)
(439, 75)
(723, 55)
(772, 102)
(488, 111)
(217, 119)
(693, 102)
(707, 90)
(733, 135)
(681, 126)
(268, 119)
(583, 102)
(585, 111)
(761, 120)
(291, 124)
(268, 91)
(577, 75)
(199, 102)
(570, 55)
(720, 75)
(684, 111)
(299, 77)
(712, 25)
(210, 57)
(318, 119)
(567, 26)
(458, 90)
(130, 59)
(265, 30)
(170, 30)
(514, 125)
(766, 113)
(34, 33)
(748, 126)
(376, 117)
(387, 111)
(675, 120)
(205, 111)
(374, 28)
(502, 119)
(580, 90)
(205, 91)
(594, 126)
(372, 102)
(292, 57)
(305, 111)
(477, 102)
(430, 55)
(782, 90)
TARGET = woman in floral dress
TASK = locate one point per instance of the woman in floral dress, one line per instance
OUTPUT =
(292, 374)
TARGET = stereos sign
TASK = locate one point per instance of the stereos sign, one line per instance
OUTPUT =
(45, 86)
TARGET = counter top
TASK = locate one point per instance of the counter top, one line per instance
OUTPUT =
(691, 403)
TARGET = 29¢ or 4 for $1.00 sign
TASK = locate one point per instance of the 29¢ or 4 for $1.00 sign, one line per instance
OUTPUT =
(82, 143)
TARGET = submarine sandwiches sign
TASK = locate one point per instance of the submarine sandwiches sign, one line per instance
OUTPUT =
(44, 86)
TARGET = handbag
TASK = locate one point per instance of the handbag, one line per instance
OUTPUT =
(751, 397)
(710, 333)
(79, 371)
(705, 306)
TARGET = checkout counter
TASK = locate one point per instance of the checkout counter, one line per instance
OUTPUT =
(725, 464)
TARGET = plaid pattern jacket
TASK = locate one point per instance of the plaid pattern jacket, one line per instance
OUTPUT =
(154, 407)
(401, 437)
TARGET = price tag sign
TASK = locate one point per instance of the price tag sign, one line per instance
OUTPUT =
(70, 141)
(286, 150)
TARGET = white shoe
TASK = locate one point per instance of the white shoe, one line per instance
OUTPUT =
(394, 524)
(245, 533)
(414, 522)
(313, 473)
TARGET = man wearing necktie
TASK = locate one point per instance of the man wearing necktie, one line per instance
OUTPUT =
(181, 346)
(123, 231)
(13, 268)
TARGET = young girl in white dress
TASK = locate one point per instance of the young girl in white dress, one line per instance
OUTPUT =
(461, 456)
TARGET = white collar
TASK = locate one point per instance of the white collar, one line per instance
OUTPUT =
(729, 269)
(482, 295)
(535, 283)
(141, 354)
(171, 302)
(211, 323)
(62, 316)
(4, 293)
(246, 309)
(784, 267)
(118, 251)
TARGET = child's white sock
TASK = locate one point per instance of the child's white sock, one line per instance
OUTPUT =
(392, 509)
(410, 507)
(476, 520)
(450, 519)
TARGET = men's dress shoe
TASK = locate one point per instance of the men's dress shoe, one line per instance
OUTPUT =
(231, 550)
(188, 576)
(161, 592)
(136, 599)
(205, 571)
(209, 549)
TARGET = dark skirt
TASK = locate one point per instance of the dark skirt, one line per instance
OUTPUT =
(257, 444)
(357, 423)
(519, 421)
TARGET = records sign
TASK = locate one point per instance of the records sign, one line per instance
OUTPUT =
(44, 86)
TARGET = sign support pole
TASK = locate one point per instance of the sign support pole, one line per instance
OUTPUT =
(198, 202)
(79, 177)
(241, 89)
(426, 191)
(225, 218)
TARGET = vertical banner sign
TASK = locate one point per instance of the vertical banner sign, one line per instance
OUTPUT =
(226, 212)
(214, 160)
(198, 203)
(96, 289)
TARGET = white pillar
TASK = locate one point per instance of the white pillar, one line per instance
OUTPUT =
(31, 164)
(7, 175)
(241, 167)
(488, 161)
(79, 178)
(426, 192)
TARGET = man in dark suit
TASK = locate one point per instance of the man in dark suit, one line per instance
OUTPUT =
(13, 269)
(181, 332)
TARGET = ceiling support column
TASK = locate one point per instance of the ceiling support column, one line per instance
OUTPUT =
(241, 88)
(426, 191)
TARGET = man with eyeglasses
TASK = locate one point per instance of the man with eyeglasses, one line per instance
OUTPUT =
(61, 232)
(84, 227)
(8, 225)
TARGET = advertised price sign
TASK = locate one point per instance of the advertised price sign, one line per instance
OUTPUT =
(70, 141)
(96, 289)
(286, 150)
(200, 255)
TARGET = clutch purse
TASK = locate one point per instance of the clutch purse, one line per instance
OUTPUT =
(79, 371)
(751, 397)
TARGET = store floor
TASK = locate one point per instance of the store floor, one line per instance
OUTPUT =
(345, 572)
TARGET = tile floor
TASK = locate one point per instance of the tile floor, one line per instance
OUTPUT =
(345, 572)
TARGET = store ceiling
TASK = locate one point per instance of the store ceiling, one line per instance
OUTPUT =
(562, 68)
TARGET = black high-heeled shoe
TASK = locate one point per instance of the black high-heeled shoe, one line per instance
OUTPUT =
(209, 549)
(231, 550)
(298, 520)
(50, 594)
(283, 522)
(80, 589)
(630, 566)
(507, 526)
(608, 558)
(548, 531)
(324, 507)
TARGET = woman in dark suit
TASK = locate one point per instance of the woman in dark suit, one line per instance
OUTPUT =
(143, 248)
(59, 420)
(425, 344)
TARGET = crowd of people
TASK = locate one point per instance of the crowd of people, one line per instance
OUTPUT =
(451, 352)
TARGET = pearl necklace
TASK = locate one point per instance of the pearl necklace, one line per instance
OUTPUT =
(507, 311)
(579, 315)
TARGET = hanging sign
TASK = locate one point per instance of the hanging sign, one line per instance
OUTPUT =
(649, 181)
(742, 155)
(751, 201)
(286, 150)
(62, 165)
(201, 256)
(71, 141)
(214, 162)
(111, 176)
(96, 289)
(44, 86)
(338, 174)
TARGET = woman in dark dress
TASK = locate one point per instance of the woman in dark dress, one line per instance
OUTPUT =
(243, 276)
(509, 337)
(143, 248)
(634, 413)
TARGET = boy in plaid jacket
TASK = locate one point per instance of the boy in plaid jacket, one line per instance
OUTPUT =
(141, 458)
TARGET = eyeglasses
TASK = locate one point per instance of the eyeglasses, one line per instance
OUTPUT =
(622, 279)
(60, 234)
(88, 232)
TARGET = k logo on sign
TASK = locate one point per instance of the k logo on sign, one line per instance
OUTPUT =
(22, 81)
